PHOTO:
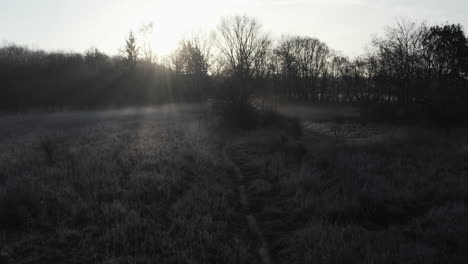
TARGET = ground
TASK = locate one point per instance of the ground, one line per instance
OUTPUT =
(157, 185)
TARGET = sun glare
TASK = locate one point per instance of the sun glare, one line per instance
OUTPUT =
(170, 22)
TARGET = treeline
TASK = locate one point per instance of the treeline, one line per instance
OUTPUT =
(413, 71)
(411, 64)
(33, 79)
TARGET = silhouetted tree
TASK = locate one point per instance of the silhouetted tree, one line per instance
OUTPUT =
(191, 67)
(304, 60)
(446, 56)
(447, 51)
(401, 51)
(424, 70)
(95, 57)
(244, 48)
(338, 69)
(192, 60)
(131, 50)
(288, 67)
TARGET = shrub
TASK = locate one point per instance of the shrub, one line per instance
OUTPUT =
(246, 116)
(237, 114)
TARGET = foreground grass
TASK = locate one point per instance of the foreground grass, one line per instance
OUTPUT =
(132, 188)
(366, 197)
(151, 186)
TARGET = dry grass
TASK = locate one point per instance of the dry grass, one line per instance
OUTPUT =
(143, 186)
(367, 197)
(150, 186)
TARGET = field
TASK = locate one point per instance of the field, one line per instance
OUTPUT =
(131, 186)
(173, 185)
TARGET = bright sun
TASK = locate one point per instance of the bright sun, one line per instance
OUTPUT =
(164, 42)
(175, 20)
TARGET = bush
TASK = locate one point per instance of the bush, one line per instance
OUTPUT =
(248, 117)
(237, 114)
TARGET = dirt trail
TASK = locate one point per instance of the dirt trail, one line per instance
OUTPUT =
(263, 248)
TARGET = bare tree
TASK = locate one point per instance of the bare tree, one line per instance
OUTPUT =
(402, 51)
(288, 64)
(338, 70)
(304, 59)
(205, 44)
(244, 48)
(312, 56)
(146, 34)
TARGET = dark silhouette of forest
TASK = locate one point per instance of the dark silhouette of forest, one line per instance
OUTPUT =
(411, 71)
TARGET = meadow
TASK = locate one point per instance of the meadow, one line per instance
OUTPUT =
(129, 186)
(157, 185)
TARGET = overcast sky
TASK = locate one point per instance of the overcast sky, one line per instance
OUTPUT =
(76, 25)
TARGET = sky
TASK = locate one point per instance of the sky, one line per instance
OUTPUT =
(76, 25)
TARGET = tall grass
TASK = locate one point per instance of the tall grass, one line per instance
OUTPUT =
(143, 188)
(395, 198)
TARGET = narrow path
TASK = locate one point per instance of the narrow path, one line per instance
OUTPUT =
(254, 227)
